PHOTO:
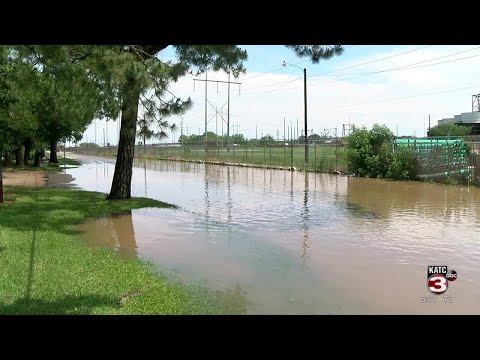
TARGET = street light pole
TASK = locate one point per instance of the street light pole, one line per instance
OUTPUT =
(305, 105)
(305, 110)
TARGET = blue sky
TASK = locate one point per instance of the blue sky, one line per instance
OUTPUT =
(395, 85)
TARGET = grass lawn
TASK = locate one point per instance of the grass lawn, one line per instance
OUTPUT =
(46, 269)
(325, 159)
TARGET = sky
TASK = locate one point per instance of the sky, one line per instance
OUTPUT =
(398, 86)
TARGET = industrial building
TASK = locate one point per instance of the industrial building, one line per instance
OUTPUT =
(470, 119)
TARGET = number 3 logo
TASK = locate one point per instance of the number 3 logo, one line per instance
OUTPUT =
(437, 284)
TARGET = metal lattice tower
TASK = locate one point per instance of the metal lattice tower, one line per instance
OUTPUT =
(227, 121)
(476, 103)
(346, 128)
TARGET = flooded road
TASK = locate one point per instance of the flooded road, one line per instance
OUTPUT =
(292, 243)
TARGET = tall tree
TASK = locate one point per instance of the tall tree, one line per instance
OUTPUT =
(142, 75)
(71, 94)
(5, 100)
(146, 129)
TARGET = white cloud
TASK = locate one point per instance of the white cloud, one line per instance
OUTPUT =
(265, 107)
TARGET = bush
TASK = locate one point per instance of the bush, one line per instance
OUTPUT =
(403, 165)
(370, 154)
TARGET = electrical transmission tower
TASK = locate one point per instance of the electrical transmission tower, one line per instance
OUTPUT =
(216, 110)
(346, 128)
(475, 102)
(181, 128)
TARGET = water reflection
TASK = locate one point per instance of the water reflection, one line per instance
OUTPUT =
(388, 199)
(145, 178)
(207, 202)
(305, 216)
(229, 196)
(114, 231)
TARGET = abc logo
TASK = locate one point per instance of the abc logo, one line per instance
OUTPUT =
(437, 284)
(451, 275)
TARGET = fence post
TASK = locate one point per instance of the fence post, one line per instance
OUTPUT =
(291, 156)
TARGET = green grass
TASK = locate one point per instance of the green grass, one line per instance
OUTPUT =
(44, 165)
(325, 159)
(67, 161)
(46, 269)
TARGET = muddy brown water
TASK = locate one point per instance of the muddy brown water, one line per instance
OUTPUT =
(293, 243)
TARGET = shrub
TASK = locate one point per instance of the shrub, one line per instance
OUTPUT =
(370, 154)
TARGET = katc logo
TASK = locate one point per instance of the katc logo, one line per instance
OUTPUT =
(439, 278)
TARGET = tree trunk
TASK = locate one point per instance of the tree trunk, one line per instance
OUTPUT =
(122, 177)
(36, 160)
(53, 152)
(1, 184)
(19, 155)
(8, 158)
(1, 177)
(28, 149)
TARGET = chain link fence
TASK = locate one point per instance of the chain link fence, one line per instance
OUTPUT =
(448, 159)
(327, 157)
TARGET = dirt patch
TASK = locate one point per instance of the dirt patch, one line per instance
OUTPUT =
(24, 178)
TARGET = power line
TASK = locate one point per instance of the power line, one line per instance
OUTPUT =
(278, 83)
(403, 67)
(329, 72)
(369, 62)
(280, 68)
(406, 67)
(408, 97)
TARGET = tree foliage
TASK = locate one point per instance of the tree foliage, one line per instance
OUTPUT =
(370, 153)
(449, 129)
(76, 83)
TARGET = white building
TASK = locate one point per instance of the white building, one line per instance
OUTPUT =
(471, 119)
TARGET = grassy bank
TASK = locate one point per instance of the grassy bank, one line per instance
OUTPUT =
(44, 165)
(321, 158)
(46, 269)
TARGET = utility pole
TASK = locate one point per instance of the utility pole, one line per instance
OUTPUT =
(228, 114)
(222, 129)
(206, 138)
(216, 111)
(305, 96)
(106, 129)
(95, 131)
(103, 137)
(297, 137)
(181, 129)
(428, 124)
(256, 137)
(290, 135)
(284, 131)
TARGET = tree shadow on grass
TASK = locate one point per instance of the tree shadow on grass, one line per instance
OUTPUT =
(68, 305)
(58, 207)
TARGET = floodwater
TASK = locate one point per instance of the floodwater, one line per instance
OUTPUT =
(294, 243)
